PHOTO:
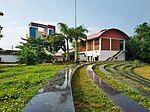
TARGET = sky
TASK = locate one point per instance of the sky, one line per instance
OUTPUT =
(95, 15)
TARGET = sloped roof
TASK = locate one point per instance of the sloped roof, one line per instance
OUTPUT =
(96, 35)
(8, 52)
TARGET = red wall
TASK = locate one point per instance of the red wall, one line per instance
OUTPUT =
(90, 45)
(115, 45)
(105, 44)
(114, 34)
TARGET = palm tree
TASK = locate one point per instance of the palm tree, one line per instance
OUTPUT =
(56, 41)
(76, 33)
(1, 14)
(64, 29)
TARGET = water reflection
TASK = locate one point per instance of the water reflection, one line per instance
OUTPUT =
(54, 96)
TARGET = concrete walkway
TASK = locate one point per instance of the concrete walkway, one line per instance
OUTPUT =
(55, 96)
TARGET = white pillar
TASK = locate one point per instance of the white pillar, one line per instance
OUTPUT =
(93, 44)
(110, 44)
(124, 45)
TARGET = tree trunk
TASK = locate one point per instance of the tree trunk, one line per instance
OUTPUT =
(76, 51)
(67, 53)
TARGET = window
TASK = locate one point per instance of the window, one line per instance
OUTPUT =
(105, 44)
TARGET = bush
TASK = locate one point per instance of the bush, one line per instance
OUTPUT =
(32, 52)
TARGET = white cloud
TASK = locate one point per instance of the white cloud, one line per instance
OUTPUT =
(12, 35)
(92, 29)
(14, 32)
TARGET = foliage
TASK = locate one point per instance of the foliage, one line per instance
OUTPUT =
(32, 52)
(76, 33)
(87, 97)
(1, 14)
(72, 34)
(18, 84)
(57, 41)
(64, 29)
(71, 54)
(139, 44)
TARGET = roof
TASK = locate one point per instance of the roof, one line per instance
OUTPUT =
(99, 34)
(41, 25)
(8, 52)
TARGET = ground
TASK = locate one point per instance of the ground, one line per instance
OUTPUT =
(19, 83)
(143, 71)
(88, 97)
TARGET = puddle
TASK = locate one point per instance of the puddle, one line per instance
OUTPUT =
(54, 96)
(118, 98)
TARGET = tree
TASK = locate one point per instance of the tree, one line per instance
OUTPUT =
(57, 42)
(0, 32)
(1, 14)
(139, 44)
(64, 29)
(31, 52)
(76, 33)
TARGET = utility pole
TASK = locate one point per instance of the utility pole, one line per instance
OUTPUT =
(75, 14)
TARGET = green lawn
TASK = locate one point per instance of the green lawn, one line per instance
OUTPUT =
(18, 84)
(143, 71)
(87, 96)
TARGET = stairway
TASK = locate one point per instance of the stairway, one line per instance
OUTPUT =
(114, 56)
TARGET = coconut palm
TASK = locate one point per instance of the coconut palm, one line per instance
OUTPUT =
(76, 33)
(1, 14)
(64, 29)
(56, 41)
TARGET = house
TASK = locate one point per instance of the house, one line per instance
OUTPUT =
(108, 44)
(8, 56)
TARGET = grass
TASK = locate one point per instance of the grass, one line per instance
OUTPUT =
(131, 93)
(127, 69)
(143, 71)
(107, 67)
(87, 96)
(18, 84)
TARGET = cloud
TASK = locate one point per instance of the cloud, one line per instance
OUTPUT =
(92, 29)
(14, 32)
(12, 35)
